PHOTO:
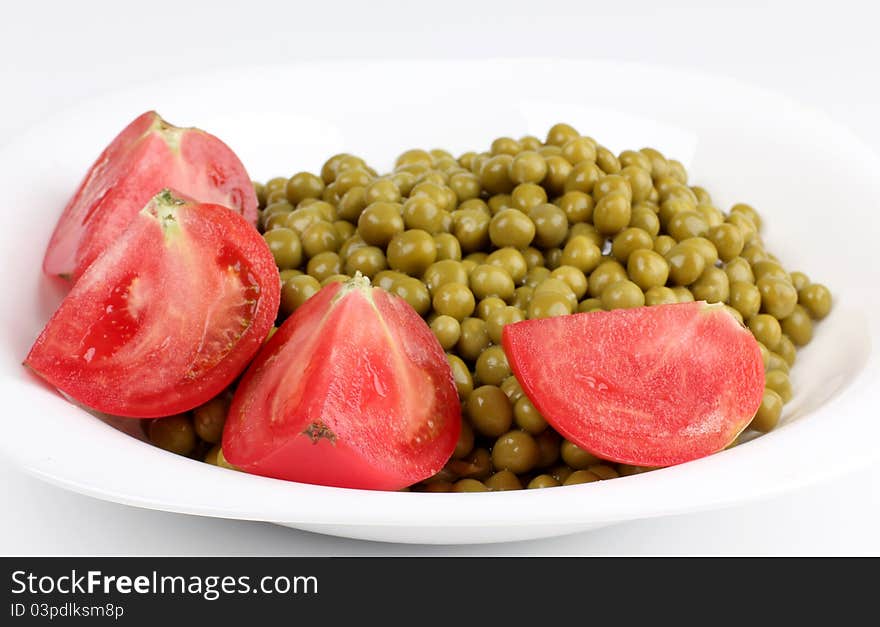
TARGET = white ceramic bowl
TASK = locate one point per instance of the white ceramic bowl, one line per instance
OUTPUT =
(814, 182)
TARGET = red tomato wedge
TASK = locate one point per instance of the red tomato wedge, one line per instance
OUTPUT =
(167, 316)
(651, 386)
(148, 155)
(353, 390)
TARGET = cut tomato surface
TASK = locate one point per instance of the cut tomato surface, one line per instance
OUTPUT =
(651, 386)
(353, 390)
(148, 155)
(167, 316)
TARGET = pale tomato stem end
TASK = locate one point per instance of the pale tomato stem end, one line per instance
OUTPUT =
(357, 282)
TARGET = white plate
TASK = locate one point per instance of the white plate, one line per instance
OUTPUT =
(814, 182)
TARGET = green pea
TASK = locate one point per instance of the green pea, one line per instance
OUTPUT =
(447, 330)
(285, 246)
(647, 269)
(489, 410)
(630, 240)
(582, 253)
(728, 240)
(492, 367)
(622, 295)
(713, 286)
(612, 213)
(766, 330)
(768, 413)
(455, 300)
(515, 451)
(411, 252)
(474, 338)
(778, 296)
(745, 298)
(527, 417)
(461, 375)
(660, 296)
(798, 326)
(778, 381)
(816, 299)
(296, 291)
(686, 264)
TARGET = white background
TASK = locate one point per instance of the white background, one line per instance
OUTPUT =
(825, 54)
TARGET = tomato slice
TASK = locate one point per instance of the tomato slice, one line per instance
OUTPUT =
(353, 390)
(167, 316)
(148, 155)
(651, 386)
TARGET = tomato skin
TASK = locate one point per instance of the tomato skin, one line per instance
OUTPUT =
(166, 317)
(353, 390)
(651, 386)
(147, 156)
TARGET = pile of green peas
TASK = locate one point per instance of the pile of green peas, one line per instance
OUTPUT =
(531, 229)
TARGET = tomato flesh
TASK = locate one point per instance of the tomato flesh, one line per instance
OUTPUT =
(167, 316)
(353, 390)
(651, 386)
(147, 156)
